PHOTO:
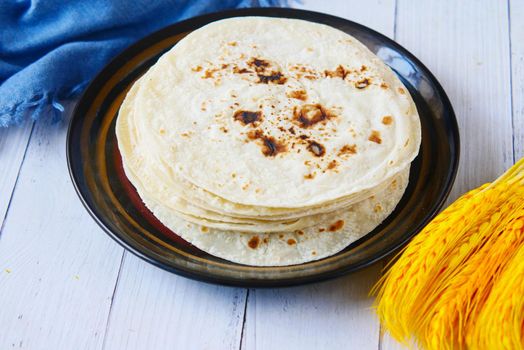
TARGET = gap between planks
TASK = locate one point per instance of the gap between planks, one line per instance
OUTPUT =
(13, 188)
(244, 316)
(108, 320)
(510, 58)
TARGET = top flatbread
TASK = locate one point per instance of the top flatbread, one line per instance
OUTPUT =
(276, 113)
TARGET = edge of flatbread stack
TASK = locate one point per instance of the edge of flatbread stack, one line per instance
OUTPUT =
(269, 141)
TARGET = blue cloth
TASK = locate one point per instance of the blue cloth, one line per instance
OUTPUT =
(51, 49)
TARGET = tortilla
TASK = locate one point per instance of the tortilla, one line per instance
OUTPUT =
(269, 141)
(336, 123)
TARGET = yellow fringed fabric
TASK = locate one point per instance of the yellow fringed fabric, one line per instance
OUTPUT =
(459, 284)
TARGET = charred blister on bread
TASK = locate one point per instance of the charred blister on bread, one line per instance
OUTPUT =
(309, 115)
(252, 118)
(316, 148)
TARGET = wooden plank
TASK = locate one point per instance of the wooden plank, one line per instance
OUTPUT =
(154, 309)
(517, 69)
(466, 46)
(13, 144)
(330, 315)
(377, 14)
(57, 268)
(335, 314)
(467, 49)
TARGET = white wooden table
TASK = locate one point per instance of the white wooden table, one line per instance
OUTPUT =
(64, 284)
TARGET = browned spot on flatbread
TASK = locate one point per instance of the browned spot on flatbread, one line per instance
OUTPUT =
(265, 240)
(316, 148)
(332, 165)
(347, 149)
(387, 120)
(377, 208)
(264, 73)
(309, 115)
(401, 91)
(384, 85)
(321, 229)
(248, 117)
(375, 137)
(272, 147)
(338, 225)
(209, 73)
(232, 43)
(302, 68)
(313, 253)
(253, 242)
(269, 145)
(291, 241)
(196, 69)
(237, 70)
(204, 229)
(310, 176)
(299, 232)
(254, 134)
(272, 78)
(280, 236)
(339, 72)
(258, 64)
(363, 68)
(298, 94)
(363, 83)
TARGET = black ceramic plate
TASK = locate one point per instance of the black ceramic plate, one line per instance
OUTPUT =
(96, 171)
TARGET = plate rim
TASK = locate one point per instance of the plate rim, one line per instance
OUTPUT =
(250, 282)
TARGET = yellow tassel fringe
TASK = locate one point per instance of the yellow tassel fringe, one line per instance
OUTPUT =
(459, 284)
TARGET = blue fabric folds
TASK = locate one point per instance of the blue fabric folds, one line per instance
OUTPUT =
(51, 49)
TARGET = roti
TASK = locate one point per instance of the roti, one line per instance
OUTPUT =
(337, 122)
(269, 141)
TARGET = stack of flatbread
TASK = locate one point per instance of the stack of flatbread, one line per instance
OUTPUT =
(269, 141)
